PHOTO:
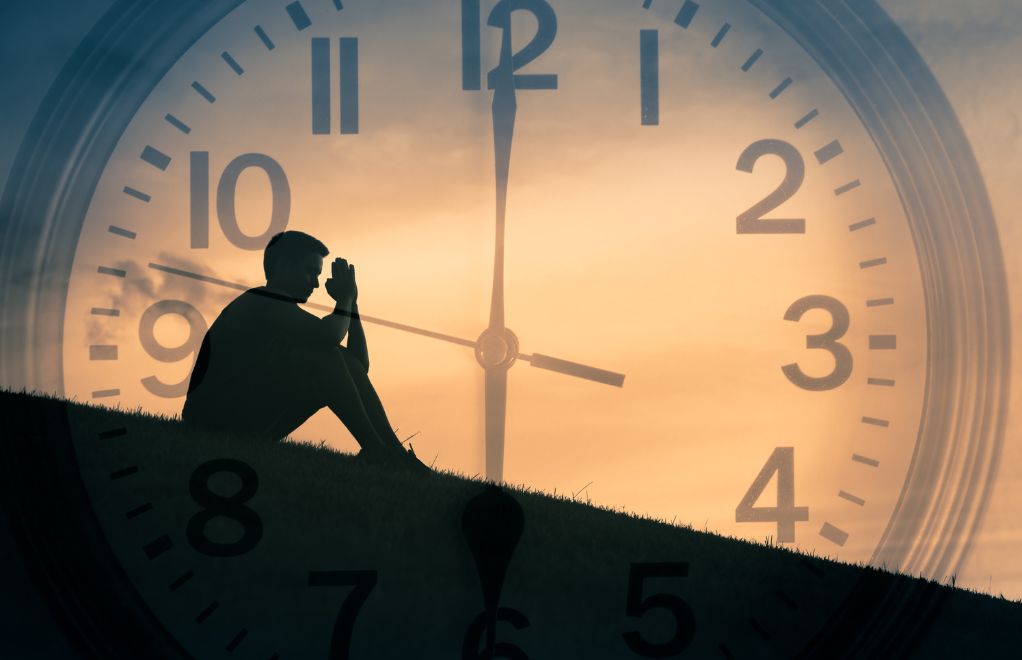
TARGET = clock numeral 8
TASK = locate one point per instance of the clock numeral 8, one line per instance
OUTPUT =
(828, 341)
(226, 196)
(637, 606)
(156, 350)
(471, 42)
(232, 508)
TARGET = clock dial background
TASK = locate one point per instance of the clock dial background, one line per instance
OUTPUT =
(378, 341)
(621, 253)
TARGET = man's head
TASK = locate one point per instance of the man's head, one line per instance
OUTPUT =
(293, 262)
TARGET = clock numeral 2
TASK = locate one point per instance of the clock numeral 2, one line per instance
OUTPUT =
(500, 16)
(636, 607)
(226, 194)
(348, 85)
(785, 513)
(363, 583)
(752, 221)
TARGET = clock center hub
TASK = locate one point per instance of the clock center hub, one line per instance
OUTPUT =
(496, 348)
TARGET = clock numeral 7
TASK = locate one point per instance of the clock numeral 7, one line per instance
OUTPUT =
(363, 583)
(785, 513)
(637, 606)
(226, 196)
(471, 42)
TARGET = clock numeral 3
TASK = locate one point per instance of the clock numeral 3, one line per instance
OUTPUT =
(348, 81)
(785, 513)
(828, 341)
(363, 583)
(752, 221)
(156, 350)
(226, 196)
(471, 42)
(232, 508)
(637, 606)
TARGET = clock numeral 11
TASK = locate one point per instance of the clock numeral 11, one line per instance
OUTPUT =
(322, 107)
(784, 513)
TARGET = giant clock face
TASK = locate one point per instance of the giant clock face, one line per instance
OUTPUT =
(693, 204)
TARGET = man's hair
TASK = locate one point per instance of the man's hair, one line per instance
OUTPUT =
(290, 245)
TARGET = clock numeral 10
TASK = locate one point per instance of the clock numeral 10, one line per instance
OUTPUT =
(636, 607)
(500, 15)
(363, 583)
(322, 107)
(226, 195)
(785, 513)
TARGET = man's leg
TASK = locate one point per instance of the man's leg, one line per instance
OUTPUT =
(370, 399)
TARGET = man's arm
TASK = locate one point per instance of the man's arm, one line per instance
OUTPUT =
(338, 321)
(357, 338)
(344, 320)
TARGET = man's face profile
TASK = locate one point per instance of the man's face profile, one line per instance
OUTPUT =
(297, 277)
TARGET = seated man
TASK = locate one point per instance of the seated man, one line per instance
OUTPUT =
(266, 365)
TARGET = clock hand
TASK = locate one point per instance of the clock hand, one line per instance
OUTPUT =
(504, 109)
(537, 360)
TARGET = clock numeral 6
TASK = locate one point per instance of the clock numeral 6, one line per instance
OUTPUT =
(785, 513)
(752, 221)
(226, 195)
(471, 42)
(637, 606)
(231, 507)
(827, 341)
(156, 350)
(474, 648)
(363, 583)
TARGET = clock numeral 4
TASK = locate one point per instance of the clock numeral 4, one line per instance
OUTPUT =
(185, 350)
(752, 221)
(226, 196)
(785, 513)
(231, 507)
(322, 106)
(828, 341)
(636, 607)
(363, 583)
(500, 15)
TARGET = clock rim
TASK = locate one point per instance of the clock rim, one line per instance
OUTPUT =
(69, 146)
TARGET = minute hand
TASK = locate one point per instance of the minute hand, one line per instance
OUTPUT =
(505, 109)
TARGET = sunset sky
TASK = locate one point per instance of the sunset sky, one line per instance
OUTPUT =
(621, 254)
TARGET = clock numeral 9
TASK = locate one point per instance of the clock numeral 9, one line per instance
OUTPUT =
(363, 583)
(232, 508)
(752, 221)
(156, 350)
(785, 513)
(637, 606)
(471, 42)
(226, 194)
(828, 341)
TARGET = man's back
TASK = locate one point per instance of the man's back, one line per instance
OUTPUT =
(249, 359)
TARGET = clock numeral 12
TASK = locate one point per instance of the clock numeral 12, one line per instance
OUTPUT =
(363, 583)
(348, 85)
(226, 194)
(471, 43)
(785, 513)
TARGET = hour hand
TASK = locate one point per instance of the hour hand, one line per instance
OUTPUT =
(575, 369)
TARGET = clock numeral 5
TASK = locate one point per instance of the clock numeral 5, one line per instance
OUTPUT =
(348, 81)
(363, 583)
(157, 351)
(226, 196)
(637, 606)
(232, 507)
(827, 341)
(785, 513)
(471, 42)
(752, 221)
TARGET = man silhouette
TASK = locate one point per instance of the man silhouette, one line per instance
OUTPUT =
(266, 365)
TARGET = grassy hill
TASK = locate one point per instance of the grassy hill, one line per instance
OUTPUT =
(249, 524)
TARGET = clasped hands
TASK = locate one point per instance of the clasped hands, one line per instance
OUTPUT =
(341, 286)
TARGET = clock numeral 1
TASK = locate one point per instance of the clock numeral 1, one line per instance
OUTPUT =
(636, 607)
(649, 76)
(226, 194)
(363, 583)
(785, 513)
(322, 107)
(499, 17)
